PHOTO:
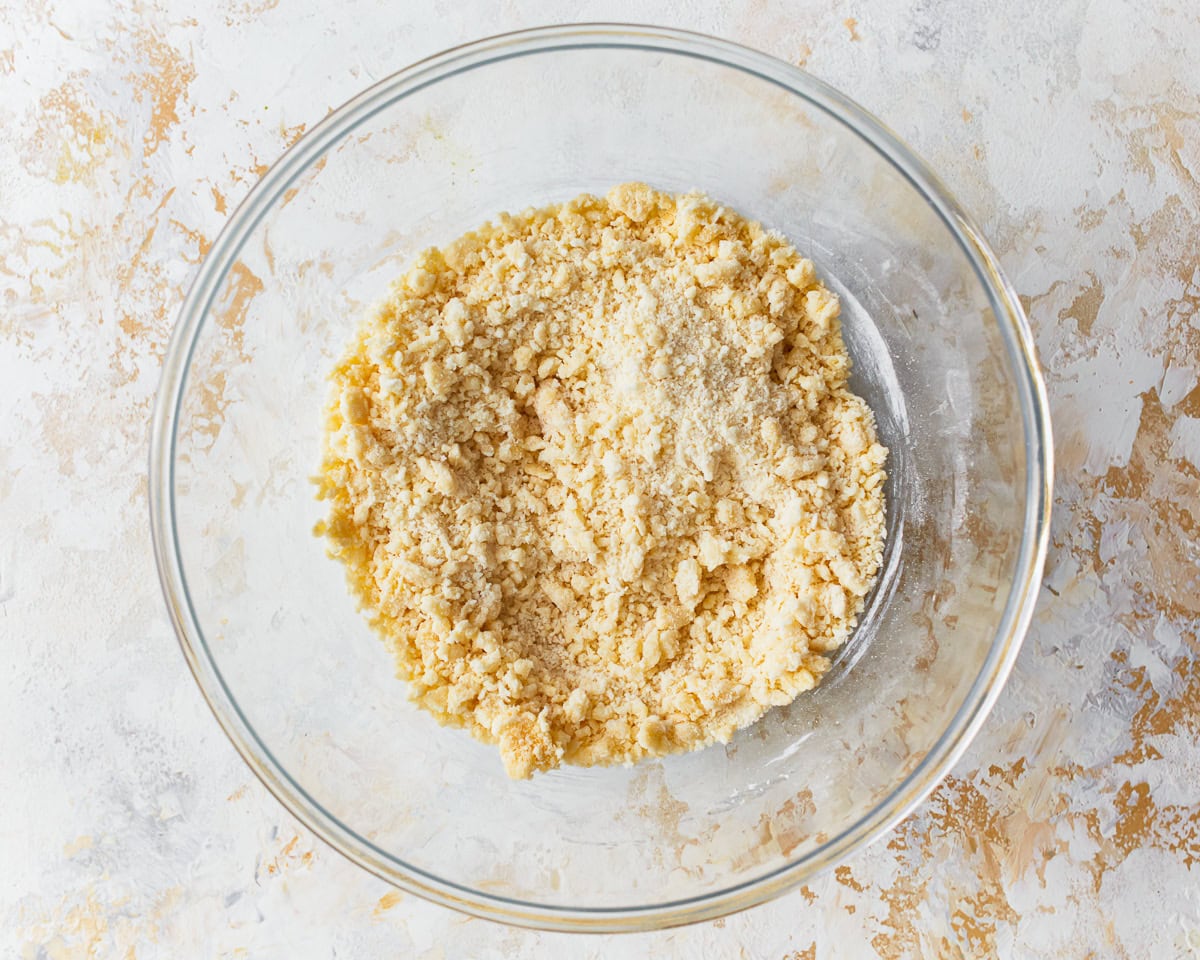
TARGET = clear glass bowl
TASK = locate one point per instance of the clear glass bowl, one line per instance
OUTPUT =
(305, 690)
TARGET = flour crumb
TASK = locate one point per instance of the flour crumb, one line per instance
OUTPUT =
(595, 472)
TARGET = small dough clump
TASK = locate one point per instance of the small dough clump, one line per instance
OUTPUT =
(596, 475)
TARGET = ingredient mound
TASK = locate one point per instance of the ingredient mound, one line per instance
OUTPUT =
(595, 473)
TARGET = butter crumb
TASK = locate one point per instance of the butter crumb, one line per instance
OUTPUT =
(595, 473)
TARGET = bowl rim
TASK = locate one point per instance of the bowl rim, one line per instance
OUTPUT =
(1013, 623)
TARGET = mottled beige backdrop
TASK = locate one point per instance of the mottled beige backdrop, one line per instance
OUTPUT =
(128, 826)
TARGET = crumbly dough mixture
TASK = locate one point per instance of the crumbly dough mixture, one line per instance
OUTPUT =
(596, 474)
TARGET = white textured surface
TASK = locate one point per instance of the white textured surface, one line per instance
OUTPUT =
(131, 828)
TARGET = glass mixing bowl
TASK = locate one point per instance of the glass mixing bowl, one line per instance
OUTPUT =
(307, 692)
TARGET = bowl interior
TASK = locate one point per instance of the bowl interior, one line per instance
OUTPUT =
(313, 690)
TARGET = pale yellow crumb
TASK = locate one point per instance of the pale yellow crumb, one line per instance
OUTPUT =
(595, 472)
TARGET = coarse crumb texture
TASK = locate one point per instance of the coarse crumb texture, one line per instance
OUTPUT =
(596, 474)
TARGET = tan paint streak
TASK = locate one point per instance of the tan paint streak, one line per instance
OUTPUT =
(1159, 715)
(1085, 306)
(1160, 497)
(136, 260)
(91, 923)
(206, 414)
(845, 877)
(1166, 222)
(1190, 404)
(291, 134)
(1135, 817)
(1143, 824)
(851, 24)
(164, 83)
(78, 845)
(903, 898)
(195, 236)
(244, 286)
(791, 823)
(386, 902)
(660, 806)
(72, 138)
(1150, 130)
(1089, 220)
(61, 431)
(289, 858)
(975, 923)
(134, 267)
(976, 825)
(1182, 316)
(959, 821)
(249, 12)
(961, 810)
